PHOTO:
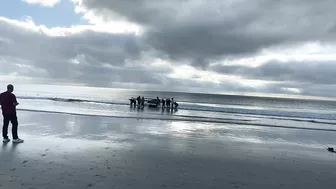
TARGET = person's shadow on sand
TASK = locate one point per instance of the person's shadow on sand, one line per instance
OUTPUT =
(4, 147)
(14, 146)
(11, 151)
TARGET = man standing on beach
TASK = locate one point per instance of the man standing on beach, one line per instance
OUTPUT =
(8, 105)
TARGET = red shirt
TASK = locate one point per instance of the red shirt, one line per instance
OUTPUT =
(7, 101)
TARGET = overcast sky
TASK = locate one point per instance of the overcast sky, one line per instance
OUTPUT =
(224, 46)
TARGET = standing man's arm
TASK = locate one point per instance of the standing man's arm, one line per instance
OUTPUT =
(15, 103)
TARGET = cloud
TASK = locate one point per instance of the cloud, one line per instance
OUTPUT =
(202, 31)
(86, 56)
(318, 72)
(241, 46)
(45, 3)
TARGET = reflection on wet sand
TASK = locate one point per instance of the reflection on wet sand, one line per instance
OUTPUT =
(63, 151)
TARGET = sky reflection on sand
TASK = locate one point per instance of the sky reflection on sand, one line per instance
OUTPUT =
(104, 128)
(95, 131)
(63, 151)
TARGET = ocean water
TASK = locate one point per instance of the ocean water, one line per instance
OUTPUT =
(207, 108)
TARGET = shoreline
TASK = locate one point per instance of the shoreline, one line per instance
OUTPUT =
(195, 119)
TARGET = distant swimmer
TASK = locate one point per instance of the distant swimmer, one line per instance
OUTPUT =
(8, 105)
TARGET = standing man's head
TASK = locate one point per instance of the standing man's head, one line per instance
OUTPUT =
(10, 88)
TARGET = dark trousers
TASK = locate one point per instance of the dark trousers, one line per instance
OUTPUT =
(14, 121)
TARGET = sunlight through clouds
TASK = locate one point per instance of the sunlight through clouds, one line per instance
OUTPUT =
(110, 24)
(239, 47)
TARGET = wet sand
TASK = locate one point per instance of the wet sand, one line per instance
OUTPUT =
(64, 151)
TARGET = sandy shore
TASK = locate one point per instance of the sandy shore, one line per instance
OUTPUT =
(63, 151)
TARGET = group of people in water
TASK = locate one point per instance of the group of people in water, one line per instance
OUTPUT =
(168, 103)
(140, 101)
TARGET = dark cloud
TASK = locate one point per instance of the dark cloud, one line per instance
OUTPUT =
(320, 72)
(110, 48)
(200, 31)
(78, 57)
(197, 31)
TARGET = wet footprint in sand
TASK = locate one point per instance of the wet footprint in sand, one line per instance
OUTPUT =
(89, 185)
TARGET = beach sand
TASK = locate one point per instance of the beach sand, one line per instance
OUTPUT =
(66, 151)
